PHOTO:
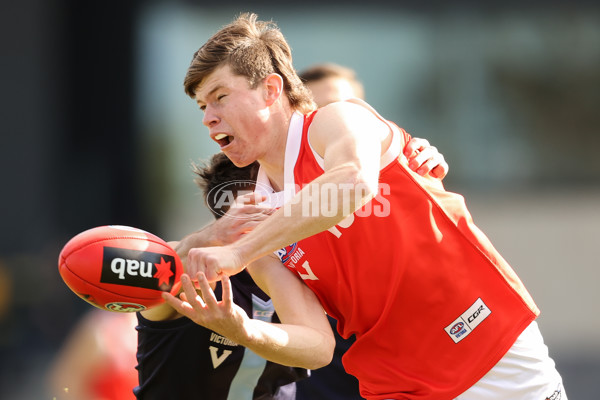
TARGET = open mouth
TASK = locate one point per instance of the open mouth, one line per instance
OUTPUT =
(223, 139)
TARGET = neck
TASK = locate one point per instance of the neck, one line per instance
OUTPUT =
(275, 175)
(273, 160)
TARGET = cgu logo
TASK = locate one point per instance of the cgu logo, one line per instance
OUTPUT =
(137, 268)
(475, 314)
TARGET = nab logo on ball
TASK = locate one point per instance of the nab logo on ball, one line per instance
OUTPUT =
(138, 268)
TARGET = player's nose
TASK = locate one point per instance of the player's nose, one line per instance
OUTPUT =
(210, 118)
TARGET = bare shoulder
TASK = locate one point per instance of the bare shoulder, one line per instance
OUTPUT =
(354, 119)
(341, 112)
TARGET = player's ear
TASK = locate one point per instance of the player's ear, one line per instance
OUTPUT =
(274, 87)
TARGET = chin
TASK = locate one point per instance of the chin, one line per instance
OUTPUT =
(238, 162)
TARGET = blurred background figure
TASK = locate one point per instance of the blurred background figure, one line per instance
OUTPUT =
(97, 361)
(330, 82)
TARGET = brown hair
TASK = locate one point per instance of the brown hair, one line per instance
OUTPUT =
(218, 172)
(253, 49)
(331, 70)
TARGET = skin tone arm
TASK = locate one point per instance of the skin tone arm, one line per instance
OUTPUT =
(303, 339)
(291, 342)
(246, 214)
(241, 218)
(343, 134)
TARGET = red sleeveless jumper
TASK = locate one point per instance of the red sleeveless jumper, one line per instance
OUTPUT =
(433, 305)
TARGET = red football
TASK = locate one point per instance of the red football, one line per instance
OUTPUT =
(119, 268)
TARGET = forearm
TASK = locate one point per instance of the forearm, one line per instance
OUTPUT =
(323, 203)
(204, 237)
(293, 345)
(304, 337)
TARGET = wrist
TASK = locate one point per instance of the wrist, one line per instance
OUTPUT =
(241, 253)
(210, 236)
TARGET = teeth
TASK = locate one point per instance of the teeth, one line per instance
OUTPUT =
(220, 136)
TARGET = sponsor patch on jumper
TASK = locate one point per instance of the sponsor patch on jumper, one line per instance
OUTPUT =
(463, 325)
(290, 255)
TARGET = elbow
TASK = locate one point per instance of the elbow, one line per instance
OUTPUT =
(327, 356)
(323, 356)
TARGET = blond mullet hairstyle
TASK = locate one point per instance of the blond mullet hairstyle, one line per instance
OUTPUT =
(253, 49)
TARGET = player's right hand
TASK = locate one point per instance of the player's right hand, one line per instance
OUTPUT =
(214, 262)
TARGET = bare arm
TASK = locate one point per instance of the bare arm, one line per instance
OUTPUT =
(303, 339)
(240, 219)
(350, 139)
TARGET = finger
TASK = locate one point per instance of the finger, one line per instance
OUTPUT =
(183, 297)
(193, 261)
(436, 167)
(212, 272)
(207, 293)
(178, 305)
(426, 167)
(251, 211)
(227, 292)
(257, 214)
(249, 198)
(189, 293)
(184, 308)
(421, 158)
(414, 146)
(440, 171)
(264, 208)
(437, 163)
